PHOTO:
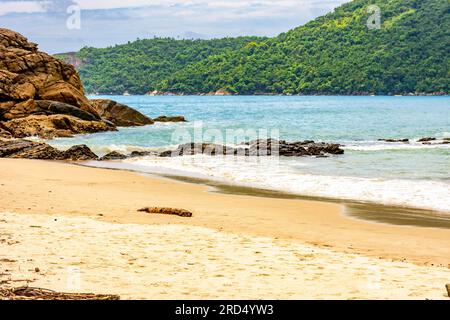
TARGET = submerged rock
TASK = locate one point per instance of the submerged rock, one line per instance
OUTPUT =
(427, 139)
(266, 147)
(120, 114)
(170, 119)
(395, 140)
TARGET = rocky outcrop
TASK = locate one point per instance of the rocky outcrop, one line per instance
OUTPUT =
(25, 149)
(258, 148)
(120, 114)
(170, 119)
(49, 127)
(26, 73)
(427, 139)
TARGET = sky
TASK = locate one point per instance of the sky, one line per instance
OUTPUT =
(68, 25)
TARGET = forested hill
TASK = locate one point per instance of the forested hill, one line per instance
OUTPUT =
(334, 54)
(141, 66)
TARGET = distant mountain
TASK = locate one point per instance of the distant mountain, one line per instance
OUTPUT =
(334, 54)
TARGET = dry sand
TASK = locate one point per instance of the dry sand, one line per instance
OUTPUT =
(80, 227)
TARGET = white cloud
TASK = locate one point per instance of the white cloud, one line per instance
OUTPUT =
(7, 7)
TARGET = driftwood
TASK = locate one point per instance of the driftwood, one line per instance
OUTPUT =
(30, 293)
(169, 211)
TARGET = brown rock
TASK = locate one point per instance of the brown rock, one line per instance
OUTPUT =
(24, 149)
(79, 153)
(113, 156)
(26, 73)
(447, 286)
(170, 119)
(120, 114)
(169, 211)
(52, 126)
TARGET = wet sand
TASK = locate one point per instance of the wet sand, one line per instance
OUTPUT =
(410, 262)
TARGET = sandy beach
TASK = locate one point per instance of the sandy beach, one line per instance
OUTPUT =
(72, 228)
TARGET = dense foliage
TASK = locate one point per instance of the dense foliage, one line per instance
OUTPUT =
(334, 54)
(140, 66)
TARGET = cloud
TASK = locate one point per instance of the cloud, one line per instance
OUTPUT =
(8, 7)
(109, 22)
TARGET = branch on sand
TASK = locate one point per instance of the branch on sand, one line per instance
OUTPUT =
(169, 211)
(30, 293)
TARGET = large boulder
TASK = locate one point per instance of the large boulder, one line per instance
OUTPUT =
(26, 73)
(120, 114)
(49, 127)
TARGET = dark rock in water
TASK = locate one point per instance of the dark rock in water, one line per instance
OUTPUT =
(136, 154)
(170, 119)
(120, 114)
(427, 139)
(79, 153)
(24, 149)
(395, 140)
(113, 156)
(258, 148)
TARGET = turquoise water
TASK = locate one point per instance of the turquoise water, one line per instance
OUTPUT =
(393, 173)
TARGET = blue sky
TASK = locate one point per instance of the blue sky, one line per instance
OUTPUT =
(109, 22)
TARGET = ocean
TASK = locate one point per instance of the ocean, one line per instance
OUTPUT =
(411, 175)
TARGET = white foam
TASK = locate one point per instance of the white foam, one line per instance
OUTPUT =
(380, 145)
(275, 174)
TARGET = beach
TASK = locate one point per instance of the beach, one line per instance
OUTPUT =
(61, 222)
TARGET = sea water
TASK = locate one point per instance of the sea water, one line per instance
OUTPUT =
(412, 175)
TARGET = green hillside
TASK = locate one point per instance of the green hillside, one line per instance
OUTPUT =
(140, 66)
(334, 54)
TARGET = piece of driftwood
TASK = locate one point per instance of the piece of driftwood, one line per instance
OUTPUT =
(31, 293)
(169, 211)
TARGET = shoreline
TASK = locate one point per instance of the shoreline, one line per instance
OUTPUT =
(43, 187)
(368, 211)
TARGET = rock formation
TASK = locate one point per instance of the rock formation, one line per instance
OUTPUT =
(265, 147)
(25, 149)
(43, 96)
(120, 114)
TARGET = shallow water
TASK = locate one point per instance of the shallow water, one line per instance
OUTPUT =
(413, 175)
